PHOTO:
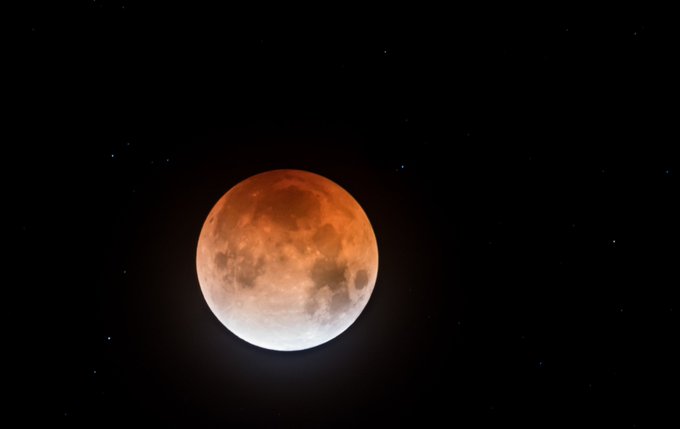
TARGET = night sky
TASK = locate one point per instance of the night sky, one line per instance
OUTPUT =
(518, 169)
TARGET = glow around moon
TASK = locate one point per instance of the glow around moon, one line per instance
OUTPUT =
(287, 260)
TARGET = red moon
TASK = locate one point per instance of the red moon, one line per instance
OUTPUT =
(287, 260)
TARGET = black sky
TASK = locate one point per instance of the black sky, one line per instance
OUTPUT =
(518, 169)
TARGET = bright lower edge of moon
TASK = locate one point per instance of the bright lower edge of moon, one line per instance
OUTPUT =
(287, 260)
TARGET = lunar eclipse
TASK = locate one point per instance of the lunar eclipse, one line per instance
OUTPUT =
(244, 217)
(287, 260)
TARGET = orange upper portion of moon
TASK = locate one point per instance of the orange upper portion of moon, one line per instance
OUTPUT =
(287, 259)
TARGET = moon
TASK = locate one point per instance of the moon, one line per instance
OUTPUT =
(287, 260)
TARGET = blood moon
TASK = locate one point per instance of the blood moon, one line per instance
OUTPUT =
(287, 260)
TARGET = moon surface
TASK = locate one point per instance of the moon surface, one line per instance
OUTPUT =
(287, 260)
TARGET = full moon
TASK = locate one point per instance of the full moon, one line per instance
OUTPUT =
(287, 260)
